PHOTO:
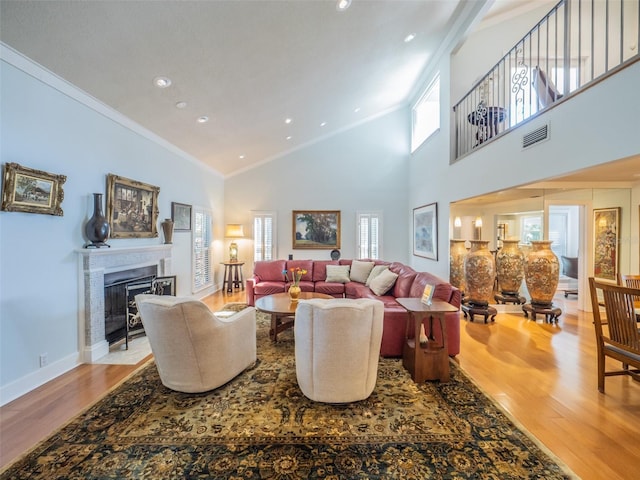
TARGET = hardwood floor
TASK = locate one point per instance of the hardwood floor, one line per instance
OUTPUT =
(543, 375)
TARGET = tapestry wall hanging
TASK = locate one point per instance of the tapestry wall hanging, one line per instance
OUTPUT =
(606, 229)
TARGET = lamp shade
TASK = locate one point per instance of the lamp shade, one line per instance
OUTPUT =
(234, 230)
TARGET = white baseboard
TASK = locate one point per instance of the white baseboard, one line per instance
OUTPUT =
(35, 379)
(95, 351)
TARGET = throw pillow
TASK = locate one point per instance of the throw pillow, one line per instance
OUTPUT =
(338, 273)
(383, 282)
(360, 271)
(375, 271)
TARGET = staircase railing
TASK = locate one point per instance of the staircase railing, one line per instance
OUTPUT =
(577, 43)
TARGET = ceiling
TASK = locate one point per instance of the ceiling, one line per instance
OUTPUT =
(246, 65)
(622, 173)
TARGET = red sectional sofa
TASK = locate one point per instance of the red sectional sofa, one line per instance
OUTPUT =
(268, 278)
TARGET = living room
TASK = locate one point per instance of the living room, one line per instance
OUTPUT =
(49, 124)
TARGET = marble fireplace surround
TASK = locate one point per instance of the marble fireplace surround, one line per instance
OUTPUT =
(94, 264)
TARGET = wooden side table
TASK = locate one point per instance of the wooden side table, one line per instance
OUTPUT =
(232, 276)
(430, 360)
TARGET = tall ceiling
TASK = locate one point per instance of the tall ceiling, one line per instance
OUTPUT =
(246, 65)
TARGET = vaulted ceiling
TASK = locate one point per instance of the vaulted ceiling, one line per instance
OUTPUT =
(247, 66)
(271, 76)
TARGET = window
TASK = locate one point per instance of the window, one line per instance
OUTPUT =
(202, 237)
(263, 236)
(531, 228)
(369, 234)
(426, 114)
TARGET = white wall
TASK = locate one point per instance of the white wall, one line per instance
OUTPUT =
(597, 126)
(362, 168)
(51, 128)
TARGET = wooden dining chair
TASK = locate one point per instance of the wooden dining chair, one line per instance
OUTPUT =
(619, 338)
(631, 281)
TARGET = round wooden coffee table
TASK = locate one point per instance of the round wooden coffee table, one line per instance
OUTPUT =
(282, 309)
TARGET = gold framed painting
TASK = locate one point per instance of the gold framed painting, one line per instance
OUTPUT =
(32, 191)
(606, 231)
(316, 229)
(132, 208)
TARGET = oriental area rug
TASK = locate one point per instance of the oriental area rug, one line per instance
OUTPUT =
(260, 426)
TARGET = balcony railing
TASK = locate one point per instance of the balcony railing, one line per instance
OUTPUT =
(577, 43)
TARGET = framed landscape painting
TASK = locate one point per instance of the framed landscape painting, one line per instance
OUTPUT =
(316, 229)
(606, 231)
(425, 231)
(132, 208)
(31, 191)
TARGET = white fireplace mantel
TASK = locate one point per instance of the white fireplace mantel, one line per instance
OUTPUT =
(93, 265)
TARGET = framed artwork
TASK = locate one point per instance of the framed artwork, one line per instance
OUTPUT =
(181, 216)
(606, 231)
(132, 208)
(316, 229)
(425, 231)
(31, 191)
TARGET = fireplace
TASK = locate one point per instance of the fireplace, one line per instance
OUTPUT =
(120, 289)
(100, 267)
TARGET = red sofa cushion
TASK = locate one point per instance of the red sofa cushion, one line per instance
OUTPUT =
(406, 275)
(304, 265)
(269, 270)
(330, 288)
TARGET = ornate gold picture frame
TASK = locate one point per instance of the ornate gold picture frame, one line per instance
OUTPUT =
(31, 191)
(316, 229)
(132, 208)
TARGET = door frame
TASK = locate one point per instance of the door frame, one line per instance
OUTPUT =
(584, 245)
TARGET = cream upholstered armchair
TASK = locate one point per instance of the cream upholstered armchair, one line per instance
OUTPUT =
(337, 347)
(194, 350)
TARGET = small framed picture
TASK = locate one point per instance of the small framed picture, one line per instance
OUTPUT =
(181, 216)
(425, 231)
(427, 295)
(31, 191)
(132, 208)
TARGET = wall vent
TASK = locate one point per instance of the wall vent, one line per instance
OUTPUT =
(536, 136)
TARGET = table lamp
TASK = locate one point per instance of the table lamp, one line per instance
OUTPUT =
(234, 230)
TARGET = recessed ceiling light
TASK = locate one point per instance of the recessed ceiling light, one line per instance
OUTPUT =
(203, 119)
(342, 5)
(323, 124)
(162, 82)
(241, 157)
(357, 109)
(289, 137)
(287, 121)
(409, 37)
(181, 105)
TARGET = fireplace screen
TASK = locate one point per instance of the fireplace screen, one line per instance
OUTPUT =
(156, 286)
(121, 315)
